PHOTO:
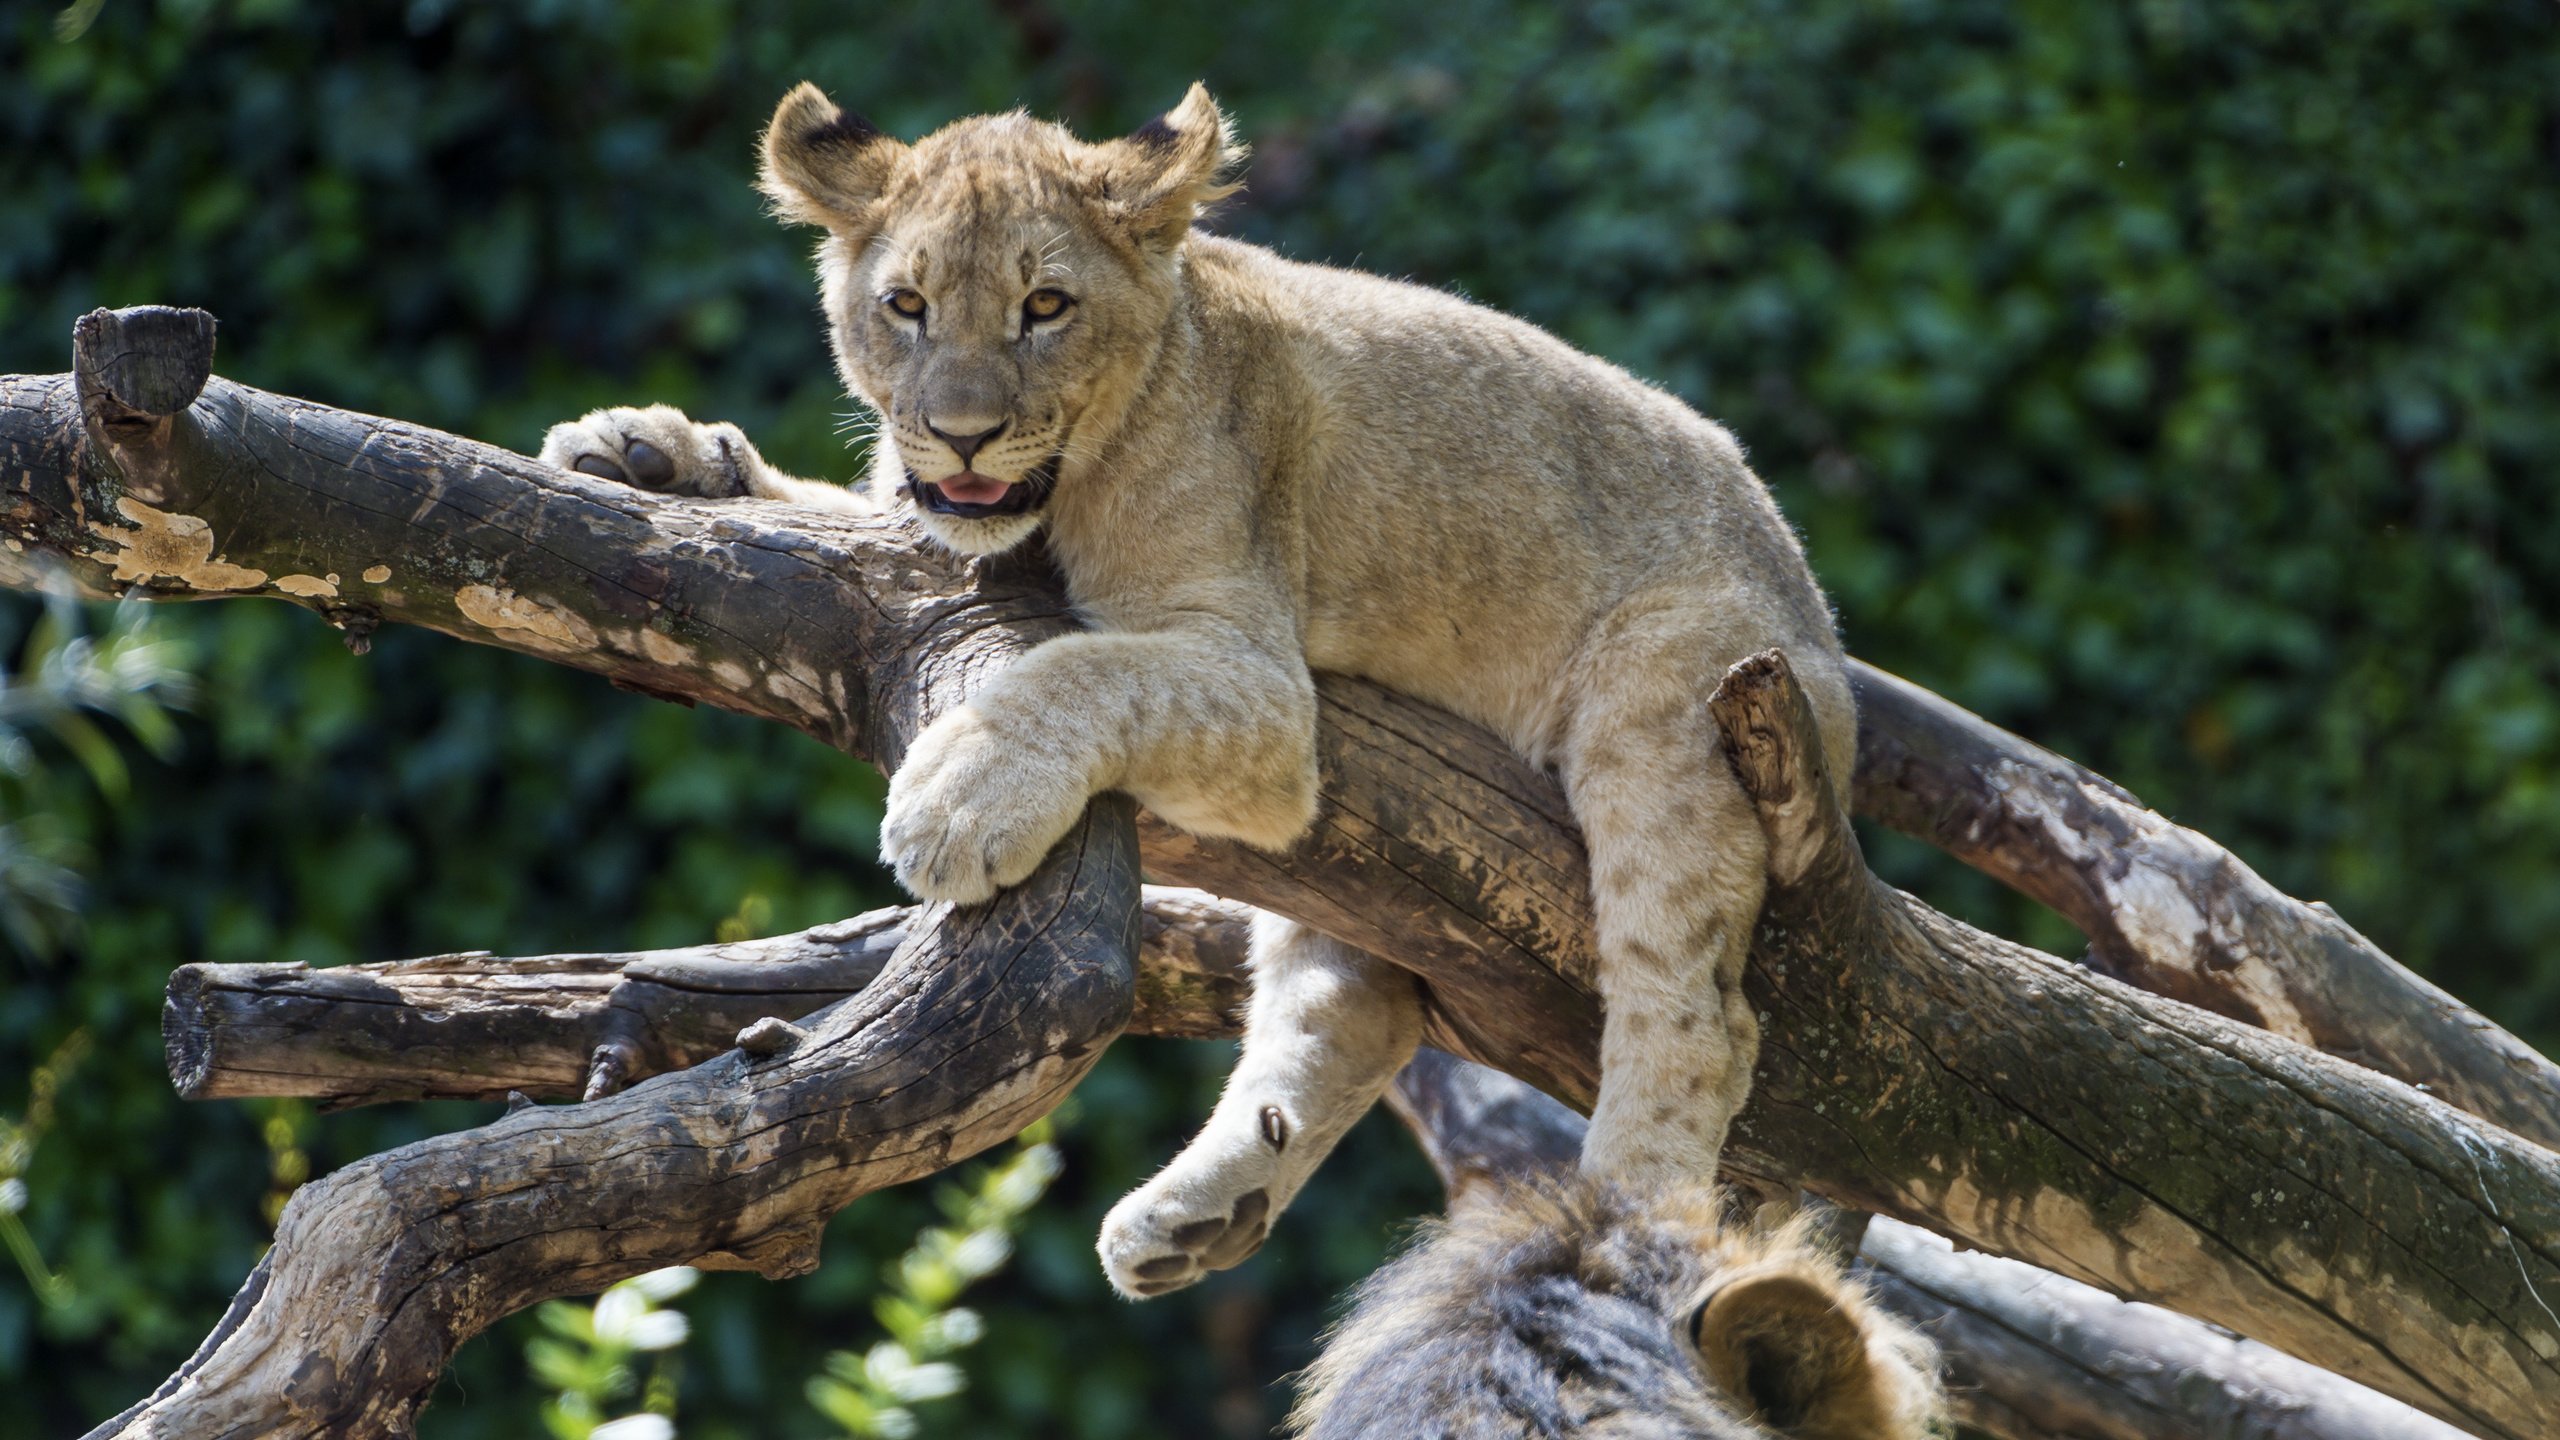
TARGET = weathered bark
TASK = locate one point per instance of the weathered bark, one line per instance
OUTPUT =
(2028, 1354)
(980, 1021)
(2169, 910)
(479, 1027)
(1915, 1066)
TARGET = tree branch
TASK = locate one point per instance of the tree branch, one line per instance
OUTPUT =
(2169, 910)
(380, 1270)
(1914, 1066)
(478, 1027)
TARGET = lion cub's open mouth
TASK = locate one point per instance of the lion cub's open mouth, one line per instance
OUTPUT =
(972, 496)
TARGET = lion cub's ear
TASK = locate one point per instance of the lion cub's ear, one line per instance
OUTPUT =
(1157, 177)
(1798, 1349)
(825, 166)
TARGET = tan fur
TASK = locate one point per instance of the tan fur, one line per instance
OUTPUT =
(1256, 468)
(1586, 1310)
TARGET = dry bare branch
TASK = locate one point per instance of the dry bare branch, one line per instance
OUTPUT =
(479, 1027)
(2171, 911)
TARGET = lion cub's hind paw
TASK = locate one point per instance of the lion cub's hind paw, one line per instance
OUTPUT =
(655, 447)
(1159, 1249)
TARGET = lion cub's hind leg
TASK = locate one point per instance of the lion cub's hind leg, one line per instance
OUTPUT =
(1328, 1028)
(1677, 876)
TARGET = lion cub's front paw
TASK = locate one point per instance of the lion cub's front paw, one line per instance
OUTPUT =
(657, 448)
(1189, 1220)
(974, 808)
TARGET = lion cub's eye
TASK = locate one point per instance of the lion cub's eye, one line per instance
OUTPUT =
(1042, 306)
(906, 303)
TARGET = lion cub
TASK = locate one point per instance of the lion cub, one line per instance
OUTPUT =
(1250, 468)
(1589, 1311)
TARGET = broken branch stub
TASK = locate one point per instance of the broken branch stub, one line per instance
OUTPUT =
(141, 364)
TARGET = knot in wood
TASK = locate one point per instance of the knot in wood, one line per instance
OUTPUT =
(771, 1036)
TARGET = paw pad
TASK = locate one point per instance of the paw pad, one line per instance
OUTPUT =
(651, 467)
(1216, 1243)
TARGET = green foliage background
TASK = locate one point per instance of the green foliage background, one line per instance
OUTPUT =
(2174, 382)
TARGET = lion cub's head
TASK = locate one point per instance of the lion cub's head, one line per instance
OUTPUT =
(996, 290)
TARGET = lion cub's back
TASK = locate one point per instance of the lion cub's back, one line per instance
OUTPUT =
(1460, 467)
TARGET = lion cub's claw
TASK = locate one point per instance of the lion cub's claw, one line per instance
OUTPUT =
(650, 469)
(1151, 1252)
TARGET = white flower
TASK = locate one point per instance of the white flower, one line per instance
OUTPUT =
(956, 1329)
(894, 1370)
(665, 1285)
(982, 1254)
(635, 1427)
(623, 1318)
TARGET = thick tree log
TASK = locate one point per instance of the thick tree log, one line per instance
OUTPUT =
(1887, 1085)
(786, 615)
(478, 1027)
(2028, 1354)
(1438, 846)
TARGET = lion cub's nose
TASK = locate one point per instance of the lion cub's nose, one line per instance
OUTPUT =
(964, 435)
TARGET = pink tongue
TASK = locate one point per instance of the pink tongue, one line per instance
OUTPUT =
(970, 488)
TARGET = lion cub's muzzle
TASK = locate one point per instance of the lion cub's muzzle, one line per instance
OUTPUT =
(1019, 497)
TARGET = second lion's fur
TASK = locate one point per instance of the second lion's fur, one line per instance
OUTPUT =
(1582, 1311)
